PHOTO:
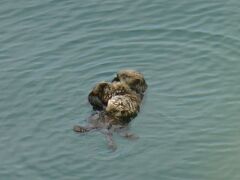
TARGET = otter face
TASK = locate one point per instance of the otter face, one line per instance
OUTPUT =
(133, 79)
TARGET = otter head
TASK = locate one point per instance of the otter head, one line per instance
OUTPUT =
(100, 95)
(133, 79)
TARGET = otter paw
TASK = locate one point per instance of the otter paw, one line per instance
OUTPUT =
(131, 136)
(79, 129)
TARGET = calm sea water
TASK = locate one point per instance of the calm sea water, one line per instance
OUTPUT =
(53, 52)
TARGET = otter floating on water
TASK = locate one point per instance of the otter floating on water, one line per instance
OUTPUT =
(117, 104)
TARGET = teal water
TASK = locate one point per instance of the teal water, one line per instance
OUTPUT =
(53, 52)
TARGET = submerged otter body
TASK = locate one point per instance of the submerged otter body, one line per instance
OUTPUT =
(117, 104)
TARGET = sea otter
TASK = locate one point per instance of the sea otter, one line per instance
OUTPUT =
(118, 102)
(134, 79)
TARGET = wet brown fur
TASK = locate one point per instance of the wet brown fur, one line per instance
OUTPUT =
(102, 92)
(135, 80)
(123, 108)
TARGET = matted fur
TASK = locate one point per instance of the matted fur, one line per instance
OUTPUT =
(103, 91)
(123, 108)
(134, 79)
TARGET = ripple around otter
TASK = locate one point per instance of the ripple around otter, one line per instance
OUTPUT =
(52, 54)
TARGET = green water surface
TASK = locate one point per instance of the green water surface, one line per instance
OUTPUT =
(52, 52)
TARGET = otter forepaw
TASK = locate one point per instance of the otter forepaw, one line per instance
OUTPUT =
(130, 136)
(80, 129)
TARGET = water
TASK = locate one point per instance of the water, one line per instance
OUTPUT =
(53, 52)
